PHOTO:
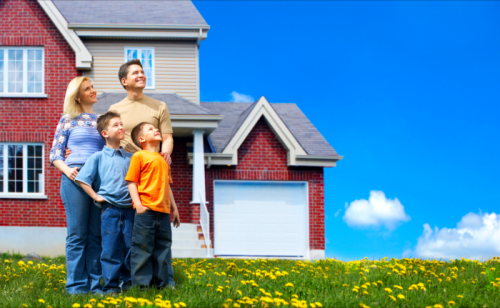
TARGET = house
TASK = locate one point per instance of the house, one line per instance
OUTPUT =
(248, 177)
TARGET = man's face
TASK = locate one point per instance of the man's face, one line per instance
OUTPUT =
(115, 130)
(135, 78)
(150, 134)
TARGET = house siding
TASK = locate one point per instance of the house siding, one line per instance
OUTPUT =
(176, 65)
(24, 23)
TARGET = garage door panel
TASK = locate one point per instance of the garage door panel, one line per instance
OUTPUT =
(260, 218)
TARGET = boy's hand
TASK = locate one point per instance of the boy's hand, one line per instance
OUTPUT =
(140, 209)
(167, 158)
(67, 153)
(177, 220)
(99, 199)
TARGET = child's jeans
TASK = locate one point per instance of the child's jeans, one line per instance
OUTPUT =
(151, 260)
(116, 227)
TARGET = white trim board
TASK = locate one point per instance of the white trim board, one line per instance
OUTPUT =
(82, 54)
(264, 109)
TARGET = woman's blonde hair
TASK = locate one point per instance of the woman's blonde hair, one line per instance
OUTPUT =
(72, 107)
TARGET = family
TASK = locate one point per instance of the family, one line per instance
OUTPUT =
(115, 187)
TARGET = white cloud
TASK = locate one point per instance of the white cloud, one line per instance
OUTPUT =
(338, 212)
(477, 236)
(376, 211)
(241, 98)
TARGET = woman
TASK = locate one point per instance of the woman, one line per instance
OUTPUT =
(77, 130)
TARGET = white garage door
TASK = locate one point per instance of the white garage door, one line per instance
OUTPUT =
(260, 218)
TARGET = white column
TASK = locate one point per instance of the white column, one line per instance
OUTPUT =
(198, 166)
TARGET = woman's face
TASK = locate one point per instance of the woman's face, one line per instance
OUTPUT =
(87, 95)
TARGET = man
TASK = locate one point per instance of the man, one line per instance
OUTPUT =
(137, 108)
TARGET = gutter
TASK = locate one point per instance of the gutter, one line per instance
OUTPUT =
(137, 26)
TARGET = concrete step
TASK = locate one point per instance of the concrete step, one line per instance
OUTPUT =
(191, 253)
(179, 235)
(187, 244)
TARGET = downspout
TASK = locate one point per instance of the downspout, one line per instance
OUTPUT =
(199, 37)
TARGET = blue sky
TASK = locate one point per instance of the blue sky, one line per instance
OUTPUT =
(407, 91)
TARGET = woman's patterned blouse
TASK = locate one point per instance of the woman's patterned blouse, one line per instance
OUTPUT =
(78, 134)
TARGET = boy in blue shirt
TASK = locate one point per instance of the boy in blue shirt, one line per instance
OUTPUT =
(106, 170)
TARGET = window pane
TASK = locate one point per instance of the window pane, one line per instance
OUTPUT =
(31, 187)
(15, 69)
(38, 150)
(31, 150)
(19, 186)
(31, 175)
(38, 55)
(12, 186)
(147, 63)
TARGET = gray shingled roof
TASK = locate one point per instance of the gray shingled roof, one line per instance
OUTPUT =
(175, 103)
(130, 12)
(299, 125)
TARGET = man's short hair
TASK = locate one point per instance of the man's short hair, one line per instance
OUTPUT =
(137, 133)
(123, 71)
(103, 121)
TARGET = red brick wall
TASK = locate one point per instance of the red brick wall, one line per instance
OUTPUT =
(262, 157)
(24, 23)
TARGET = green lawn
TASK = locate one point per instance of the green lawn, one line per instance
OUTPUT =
(269, 283)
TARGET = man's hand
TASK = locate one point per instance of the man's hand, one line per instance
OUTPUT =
(71, 173)
(99, 199)
(177, 220)
(167, 158)
(67, 153)
(141, 209)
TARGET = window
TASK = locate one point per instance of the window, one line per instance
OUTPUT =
(21, 71)
(147, 57)
(21, 170)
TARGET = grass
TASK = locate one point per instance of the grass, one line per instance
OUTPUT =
(270, 283)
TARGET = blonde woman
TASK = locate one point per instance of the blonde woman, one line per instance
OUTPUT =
(77, 130)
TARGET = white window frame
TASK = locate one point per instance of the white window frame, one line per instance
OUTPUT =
(25, 194)
(25, 93)
(140, 49)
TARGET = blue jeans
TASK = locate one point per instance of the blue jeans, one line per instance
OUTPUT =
(151, 260)
(83, 242)
(116, 226)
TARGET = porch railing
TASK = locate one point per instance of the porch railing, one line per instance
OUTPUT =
(205, 223)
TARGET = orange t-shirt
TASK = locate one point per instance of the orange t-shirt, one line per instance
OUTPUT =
(152, 175)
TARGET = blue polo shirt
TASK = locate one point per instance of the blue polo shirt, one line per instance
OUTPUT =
(106, 170)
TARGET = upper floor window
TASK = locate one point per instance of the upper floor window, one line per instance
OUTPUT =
(21, 170)
(21, 71)
(147, 57)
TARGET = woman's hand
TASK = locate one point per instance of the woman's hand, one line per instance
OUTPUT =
(71, 173)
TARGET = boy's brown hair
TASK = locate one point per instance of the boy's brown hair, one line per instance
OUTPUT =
(123, 71)
(137, 133)
(103, 121)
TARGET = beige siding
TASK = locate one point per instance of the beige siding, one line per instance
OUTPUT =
(176, 65)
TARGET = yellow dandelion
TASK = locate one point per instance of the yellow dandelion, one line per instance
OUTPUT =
(87, 306)
(236, 305)
(318, 304)
(438, 306)
(401, 296)
(76, 305)
(92, 300)
(289, 285)
(392, 297)
(388, 290)
(100, 305)
(451, 303)
(460, 296)
(40, 300)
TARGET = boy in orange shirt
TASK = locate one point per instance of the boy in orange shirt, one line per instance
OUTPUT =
(148, 180)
